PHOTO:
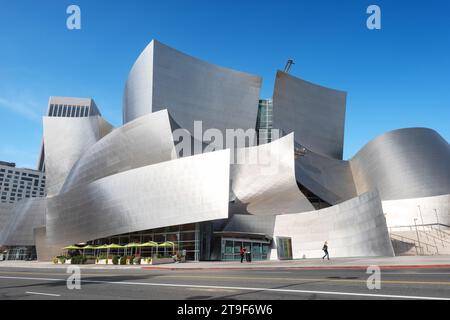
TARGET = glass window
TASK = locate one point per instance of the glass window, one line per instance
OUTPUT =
(228, 247)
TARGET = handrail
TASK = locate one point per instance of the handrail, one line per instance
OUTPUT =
(427, 234)
(415, 243)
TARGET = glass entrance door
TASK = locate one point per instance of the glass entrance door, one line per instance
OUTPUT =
(284, 248)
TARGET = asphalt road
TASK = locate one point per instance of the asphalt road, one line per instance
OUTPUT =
(51, 284)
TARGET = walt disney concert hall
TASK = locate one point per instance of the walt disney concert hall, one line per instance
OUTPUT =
(281, 193)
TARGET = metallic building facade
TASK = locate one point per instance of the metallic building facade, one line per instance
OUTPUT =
(65, 141)
(141, 142)
(264, 179)
(191, 90)
(404, 164)
(70, 108)
(106, 183)
(315, 113)
(181, 191)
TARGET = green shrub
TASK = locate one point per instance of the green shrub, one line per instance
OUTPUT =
(137, 260)
(131, 259)
(55, 260)
(78, 260)
(115, 259)
(123, 260)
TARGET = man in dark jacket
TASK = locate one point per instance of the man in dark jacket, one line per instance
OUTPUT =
(325, 249)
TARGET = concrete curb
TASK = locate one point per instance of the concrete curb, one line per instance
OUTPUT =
(298, 268)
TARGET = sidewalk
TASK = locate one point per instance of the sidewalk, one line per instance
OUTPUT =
(311, 264)
(427, 262)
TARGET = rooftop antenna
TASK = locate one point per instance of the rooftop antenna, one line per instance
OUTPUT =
(289, 64)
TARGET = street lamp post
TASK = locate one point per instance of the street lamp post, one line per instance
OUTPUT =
(439, 225)
(417, 233)
(421, 217)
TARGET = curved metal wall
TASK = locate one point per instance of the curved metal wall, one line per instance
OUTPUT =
(329, 179)
(6, 213)
(138, 93)
(191, 90)
(186, 190)
(65, 141)
(142, 142)
(316, 114)
(264, 179)
(26, 215)
(403, 164)
(354, 228)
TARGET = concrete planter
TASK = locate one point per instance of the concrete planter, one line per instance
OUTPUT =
(156, 261)
(104, 261)
(146, 261)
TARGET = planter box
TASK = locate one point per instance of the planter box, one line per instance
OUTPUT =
(145, 261)
(104, 261)
(68, 261)
(156, 261)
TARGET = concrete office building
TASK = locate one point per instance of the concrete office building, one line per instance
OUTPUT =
(20, 183)
(287, 196)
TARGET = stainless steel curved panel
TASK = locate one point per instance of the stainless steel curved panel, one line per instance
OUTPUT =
(251, 224)
(329, 179)
(65, 141)
(142, 142)
(264, 179)
(354, 228)
(26, 215)
(403, 164)
(316, 114)
(186, 190)
(6, 213)
(191, 89)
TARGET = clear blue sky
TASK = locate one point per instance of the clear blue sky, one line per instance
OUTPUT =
(397, 77)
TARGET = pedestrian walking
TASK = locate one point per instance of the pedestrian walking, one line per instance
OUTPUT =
(325, 249)
(242, 252)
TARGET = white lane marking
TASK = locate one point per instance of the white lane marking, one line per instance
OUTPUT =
(44, 294)
(240, 288)
(416, 273)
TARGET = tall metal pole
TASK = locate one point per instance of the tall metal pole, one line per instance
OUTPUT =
(421, 218)
(417, 231)
(439, 225)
